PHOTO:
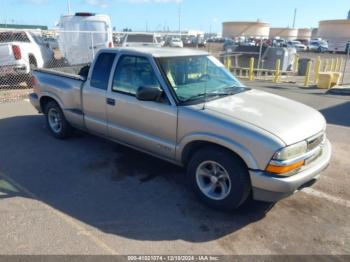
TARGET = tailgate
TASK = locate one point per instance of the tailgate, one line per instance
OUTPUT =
(6, 55)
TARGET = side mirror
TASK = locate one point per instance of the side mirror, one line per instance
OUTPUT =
(149, 93)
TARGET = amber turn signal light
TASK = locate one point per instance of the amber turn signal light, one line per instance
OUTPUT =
(284, 169)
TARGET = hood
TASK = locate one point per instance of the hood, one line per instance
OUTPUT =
(290, 121)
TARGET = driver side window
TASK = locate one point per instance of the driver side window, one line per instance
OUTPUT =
(133, 72)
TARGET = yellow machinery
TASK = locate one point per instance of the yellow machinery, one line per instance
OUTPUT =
(328, 79)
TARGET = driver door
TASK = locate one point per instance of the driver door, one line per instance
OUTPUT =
(148, 125)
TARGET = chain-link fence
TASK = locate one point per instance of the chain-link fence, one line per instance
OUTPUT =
(22, 51)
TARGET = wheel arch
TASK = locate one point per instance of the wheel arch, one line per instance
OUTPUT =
(32, 58)
(231, 147)
(45, 99)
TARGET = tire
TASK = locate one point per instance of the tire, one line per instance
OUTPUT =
(32, 63)
(29, 81)
(232, 189)
(56, 121)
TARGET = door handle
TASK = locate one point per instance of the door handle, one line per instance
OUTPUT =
(110, 101)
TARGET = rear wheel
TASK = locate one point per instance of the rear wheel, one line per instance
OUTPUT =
(219, 178)
(56, 122)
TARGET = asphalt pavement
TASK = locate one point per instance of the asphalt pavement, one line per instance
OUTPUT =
(87, 195)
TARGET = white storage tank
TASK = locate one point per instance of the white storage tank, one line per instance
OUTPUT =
(284, 32)
(314, 33)
(336, 32)
(304, 34)
(248, 29)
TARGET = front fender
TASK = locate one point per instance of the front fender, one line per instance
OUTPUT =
(218, 140)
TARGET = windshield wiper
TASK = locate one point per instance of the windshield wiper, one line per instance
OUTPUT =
(226, 91)
(205, 95)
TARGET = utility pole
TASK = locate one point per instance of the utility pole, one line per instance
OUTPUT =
(180, 19)
(68, 7)
(295, 17)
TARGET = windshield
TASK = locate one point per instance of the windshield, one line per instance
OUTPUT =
(195, 78)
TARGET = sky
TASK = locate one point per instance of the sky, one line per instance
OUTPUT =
(204, 15)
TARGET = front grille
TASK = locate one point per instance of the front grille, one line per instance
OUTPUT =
(315, 141)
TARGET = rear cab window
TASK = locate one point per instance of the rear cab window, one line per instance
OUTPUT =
(140, 38)
(7, 37)
(102, 70)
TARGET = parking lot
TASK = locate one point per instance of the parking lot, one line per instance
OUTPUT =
(86, 195)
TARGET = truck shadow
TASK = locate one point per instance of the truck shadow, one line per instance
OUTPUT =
(338, 114)
(109, 187)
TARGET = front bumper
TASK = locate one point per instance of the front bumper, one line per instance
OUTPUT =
(271, 189)
(34, 100)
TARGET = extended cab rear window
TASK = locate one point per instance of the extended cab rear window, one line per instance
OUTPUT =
(102, 70)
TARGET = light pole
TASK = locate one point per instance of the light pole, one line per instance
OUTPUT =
(68, 7)
(179, 19)
(346, 61)
(295, 17)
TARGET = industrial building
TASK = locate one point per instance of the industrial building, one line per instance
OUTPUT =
(248, 29)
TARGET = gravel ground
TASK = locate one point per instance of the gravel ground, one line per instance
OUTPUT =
(14, 95)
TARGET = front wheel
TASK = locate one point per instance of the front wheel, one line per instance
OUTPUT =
(56, 122)
(219, 178)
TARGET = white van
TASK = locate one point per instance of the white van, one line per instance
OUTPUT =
(338, 45)
(81, 35)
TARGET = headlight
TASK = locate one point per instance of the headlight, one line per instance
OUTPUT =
(291, 152)
(287, 159)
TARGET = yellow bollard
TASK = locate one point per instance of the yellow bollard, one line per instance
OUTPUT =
(341, 64)
(317, 69)
(307, 75)
(326, 65)
(277, 71)
(333, 65)
(251, 69)
(229, 63)
(296, 63)
(336, 65)
(226, 61)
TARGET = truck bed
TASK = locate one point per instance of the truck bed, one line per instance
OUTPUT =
(74, 72)
(64, 87)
